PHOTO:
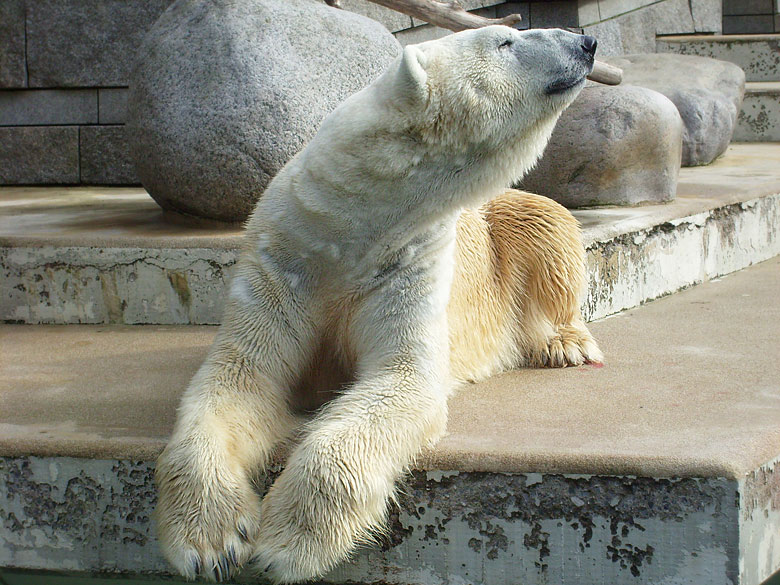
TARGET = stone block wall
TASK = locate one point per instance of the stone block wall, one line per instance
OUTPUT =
(751, 16)
(64, 66)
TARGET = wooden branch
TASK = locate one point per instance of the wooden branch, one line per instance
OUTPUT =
(446, 14)
(605, 73)
(449, 14)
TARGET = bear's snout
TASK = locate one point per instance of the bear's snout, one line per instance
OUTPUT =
(589, 44)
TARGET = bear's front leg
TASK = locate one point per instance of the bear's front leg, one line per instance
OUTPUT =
(233, 414)
(335, 489)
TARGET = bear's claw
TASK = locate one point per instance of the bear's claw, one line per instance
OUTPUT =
(196, 566)
(232, 556)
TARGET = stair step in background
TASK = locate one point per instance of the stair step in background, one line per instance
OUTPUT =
(758, 55)
(104, 256)
(759, 118)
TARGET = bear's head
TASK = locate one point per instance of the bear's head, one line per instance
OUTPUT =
(490, 90)
(493, 84)
(453, 121)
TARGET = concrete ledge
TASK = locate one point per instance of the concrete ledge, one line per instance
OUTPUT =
(474, 527)
(759, 118)
(107, 256)
(659, 467)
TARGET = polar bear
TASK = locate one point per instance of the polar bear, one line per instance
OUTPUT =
(386, 262)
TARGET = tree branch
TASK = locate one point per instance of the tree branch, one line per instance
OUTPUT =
(450, 14)
(446, 14)
(605, 73)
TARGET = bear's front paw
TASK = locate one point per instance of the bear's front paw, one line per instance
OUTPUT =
(312, 518)
(301, 535)
(207, 520)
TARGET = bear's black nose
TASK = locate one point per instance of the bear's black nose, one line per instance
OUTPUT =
(589, 44)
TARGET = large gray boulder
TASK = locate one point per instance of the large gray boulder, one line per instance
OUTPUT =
(707, 92)
(225, 92)
(616, 145)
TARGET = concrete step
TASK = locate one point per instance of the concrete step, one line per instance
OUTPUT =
(759, 118)
(758, 55)
(660, 467)
(108, 256)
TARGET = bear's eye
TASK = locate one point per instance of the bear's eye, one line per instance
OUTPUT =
(506, 44)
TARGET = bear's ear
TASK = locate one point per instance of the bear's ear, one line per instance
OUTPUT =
(411, 74)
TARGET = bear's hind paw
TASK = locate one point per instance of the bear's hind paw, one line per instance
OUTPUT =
(571, 345)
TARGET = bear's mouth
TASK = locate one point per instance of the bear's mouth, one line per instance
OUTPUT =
(562, 85)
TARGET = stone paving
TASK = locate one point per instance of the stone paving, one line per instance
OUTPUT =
(658, 467)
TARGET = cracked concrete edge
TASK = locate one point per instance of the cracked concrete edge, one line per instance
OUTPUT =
(118, 285)
(759, 118)
(448, 528)
(759, 537)
(626, 267)
(635, 267)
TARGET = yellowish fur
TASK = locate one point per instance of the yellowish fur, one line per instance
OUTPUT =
(519, 279)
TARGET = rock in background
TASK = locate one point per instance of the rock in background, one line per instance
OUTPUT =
(707, 92)
(224, 93)
(616, 145)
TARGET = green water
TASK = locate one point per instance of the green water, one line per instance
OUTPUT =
(39, 578)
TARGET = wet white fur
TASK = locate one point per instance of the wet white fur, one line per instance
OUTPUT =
(351, 249)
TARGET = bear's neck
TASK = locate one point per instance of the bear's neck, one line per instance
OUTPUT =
(378, 191)
(388, 180)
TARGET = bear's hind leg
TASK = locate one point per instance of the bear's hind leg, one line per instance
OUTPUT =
(231, 417)
(541, 262)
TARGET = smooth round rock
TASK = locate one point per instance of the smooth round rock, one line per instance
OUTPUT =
(615, 145)
(224, 93)
(707, 92)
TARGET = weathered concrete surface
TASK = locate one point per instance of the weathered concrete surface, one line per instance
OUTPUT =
(759, 534)
(108, 256)
(759, 118)
(114, 285)
(628, 270)
(660, 467)
(450, 527)
(685, 392)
